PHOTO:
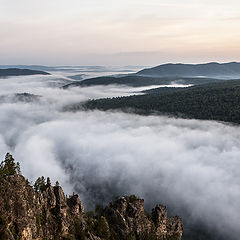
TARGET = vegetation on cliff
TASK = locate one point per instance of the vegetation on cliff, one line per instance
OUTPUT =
(8, 167)
(44, 212)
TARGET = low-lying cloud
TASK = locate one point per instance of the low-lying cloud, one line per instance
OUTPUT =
(191, 166)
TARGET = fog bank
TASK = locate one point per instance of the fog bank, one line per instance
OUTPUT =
(191, 166)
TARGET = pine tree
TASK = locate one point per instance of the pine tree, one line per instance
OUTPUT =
(36, 185)
(40, 184)
(9, 167)
(48, 182)
(43, 184)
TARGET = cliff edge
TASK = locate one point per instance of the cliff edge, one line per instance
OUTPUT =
(45, 212)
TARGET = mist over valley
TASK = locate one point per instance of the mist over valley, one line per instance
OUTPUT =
(119, 120)
(192, 166)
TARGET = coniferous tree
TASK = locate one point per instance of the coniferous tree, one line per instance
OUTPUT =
(37, 184)
(9, 167)
(40, 184)
(48, 182)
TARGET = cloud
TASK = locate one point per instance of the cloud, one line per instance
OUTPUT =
(191, 166)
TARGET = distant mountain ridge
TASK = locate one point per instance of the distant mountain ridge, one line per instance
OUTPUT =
(7, 72)
(213, 69)
(139, 81)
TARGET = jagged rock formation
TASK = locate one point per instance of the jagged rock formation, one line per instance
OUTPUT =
(127, 217)
(36, 215)
(45, 212)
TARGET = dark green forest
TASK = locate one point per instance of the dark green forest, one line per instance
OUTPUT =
(219, 101)
(138, 81)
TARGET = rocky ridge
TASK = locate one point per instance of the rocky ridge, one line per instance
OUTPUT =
(45, 212)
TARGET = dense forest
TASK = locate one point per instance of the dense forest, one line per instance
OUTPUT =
(138, 81)
(218, 101)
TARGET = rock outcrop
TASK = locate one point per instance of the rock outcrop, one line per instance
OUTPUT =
(127, 217)
(45, 213)
(27, 214)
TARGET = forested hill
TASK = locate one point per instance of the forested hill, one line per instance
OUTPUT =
(215, 70)
(138, 81)
(211, 102)
(20, 72)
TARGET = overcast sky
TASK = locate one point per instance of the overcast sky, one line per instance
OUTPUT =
(113, 32)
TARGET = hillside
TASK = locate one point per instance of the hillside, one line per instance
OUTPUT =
(210, 102)
(213, 70)
(20, 72)
(45, 212)
(19, 97)
(138, 81)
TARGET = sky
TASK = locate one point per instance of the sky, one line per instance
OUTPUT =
(111, 32)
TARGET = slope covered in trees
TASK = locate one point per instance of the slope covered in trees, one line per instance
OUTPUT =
(210, 102)
(138, 81)
(20, 72)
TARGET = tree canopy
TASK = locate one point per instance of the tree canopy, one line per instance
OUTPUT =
(209, 102)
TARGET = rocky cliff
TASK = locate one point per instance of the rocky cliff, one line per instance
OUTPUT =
(44, 212)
